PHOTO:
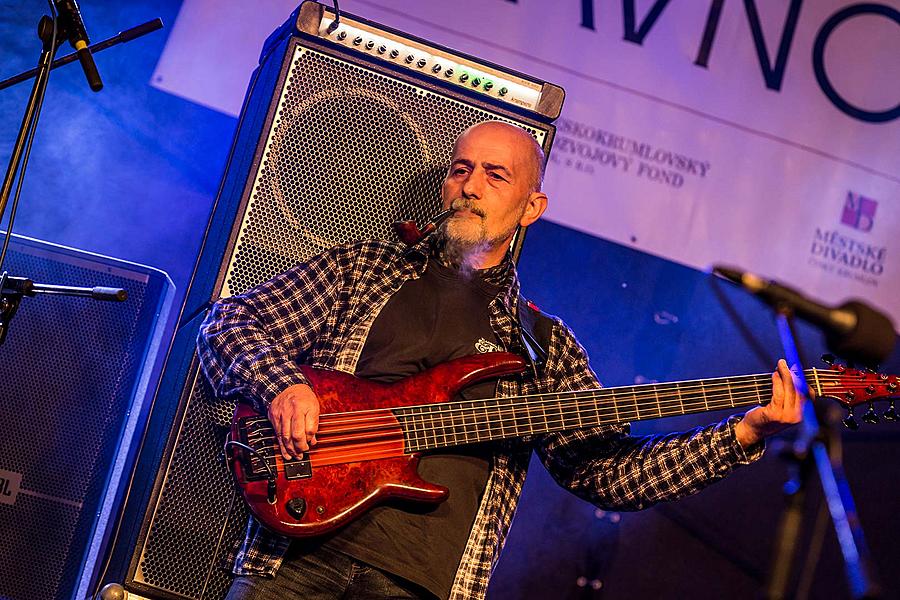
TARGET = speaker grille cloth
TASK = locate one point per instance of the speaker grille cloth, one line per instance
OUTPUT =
(68, 369)
(198, 512)
(349, 152)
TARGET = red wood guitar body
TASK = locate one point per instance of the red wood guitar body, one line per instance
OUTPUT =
(349, 471)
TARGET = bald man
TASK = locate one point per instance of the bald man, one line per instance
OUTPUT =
(374, 309)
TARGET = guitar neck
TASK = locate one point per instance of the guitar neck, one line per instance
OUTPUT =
(433, 426)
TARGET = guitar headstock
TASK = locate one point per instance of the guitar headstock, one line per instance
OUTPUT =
(852, 387)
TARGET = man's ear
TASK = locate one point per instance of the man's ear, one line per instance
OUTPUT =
(534, 208)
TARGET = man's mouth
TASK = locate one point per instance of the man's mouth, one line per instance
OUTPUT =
(465, 211)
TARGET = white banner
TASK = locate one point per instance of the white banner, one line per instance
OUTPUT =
(765, 135)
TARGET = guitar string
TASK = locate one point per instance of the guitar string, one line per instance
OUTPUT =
(549, 399)
(562, 407)
(444, 429)
(597, 394)
(321, 453)
(365, 423)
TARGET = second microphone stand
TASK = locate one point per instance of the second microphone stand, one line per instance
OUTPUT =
(817, 450)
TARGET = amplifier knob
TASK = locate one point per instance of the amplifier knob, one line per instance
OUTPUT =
(421, 63)
(448, 72)
(395, 53)
(370, 44)
(476, 82)
(342, 35)
(382, 49)
(502, 91)
(436, 69)
(488, 85)
(464, 78)
(409, 58)
(357, 40)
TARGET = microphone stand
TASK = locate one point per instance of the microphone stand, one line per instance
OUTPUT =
(51, 31)
(817, 448)
(120, 38)
(13, 289)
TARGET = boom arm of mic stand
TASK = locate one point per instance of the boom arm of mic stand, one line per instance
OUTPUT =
(810, 445)
(120, 38)
(26, 287)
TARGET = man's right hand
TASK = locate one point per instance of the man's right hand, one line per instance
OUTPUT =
(295, 416)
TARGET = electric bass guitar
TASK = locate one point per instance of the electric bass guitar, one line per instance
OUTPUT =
(371, 434)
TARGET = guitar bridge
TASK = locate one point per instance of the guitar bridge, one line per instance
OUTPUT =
(298, 469)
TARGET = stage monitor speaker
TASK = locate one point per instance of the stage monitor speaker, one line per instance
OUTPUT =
(342, 132)
(73, 375)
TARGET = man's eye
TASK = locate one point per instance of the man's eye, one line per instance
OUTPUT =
(496, 176)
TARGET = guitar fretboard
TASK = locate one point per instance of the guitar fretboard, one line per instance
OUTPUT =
(432, 426)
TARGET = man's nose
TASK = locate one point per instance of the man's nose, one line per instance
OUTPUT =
(473, 185)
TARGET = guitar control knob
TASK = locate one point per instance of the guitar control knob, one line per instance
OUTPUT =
(891, 413)
(850, 421)
(296, 507)
(870, 417)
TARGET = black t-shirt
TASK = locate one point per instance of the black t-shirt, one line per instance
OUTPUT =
(430, 320)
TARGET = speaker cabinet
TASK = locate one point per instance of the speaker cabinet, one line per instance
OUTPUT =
(73, 376)
(342, 133)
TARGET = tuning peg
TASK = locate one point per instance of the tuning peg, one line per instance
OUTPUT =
(828, 359)
(870, 417)
(890, 414)
(850, 421)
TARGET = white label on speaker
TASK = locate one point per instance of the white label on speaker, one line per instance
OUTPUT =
(9, 486)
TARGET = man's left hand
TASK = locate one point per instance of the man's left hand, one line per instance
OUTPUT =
(785, 409)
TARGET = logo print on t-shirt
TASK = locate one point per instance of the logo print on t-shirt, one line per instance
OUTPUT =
(482, 346)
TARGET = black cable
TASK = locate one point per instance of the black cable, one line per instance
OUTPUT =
(44, 74)
(271, 480)
(252, 451)
(337, 17)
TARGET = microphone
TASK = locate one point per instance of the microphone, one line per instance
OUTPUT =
(73, 26)
(853, 330)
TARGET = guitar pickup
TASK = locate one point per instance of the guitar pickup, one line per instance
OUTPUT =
(297, 469)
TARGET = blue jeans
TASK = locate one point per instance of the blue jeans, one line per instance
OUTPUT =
(325, 575)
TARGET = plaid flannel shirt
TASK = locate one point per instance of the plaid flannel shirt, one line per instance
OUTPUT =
(320, 312)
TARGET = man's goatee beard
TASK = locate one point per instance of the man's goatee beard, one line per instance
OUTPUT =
(465, 254)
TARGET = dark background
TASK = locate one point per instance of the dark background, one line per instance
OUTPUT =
(131, 172)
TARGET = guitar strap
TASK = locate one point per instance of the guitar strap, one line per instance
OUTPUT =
(535, 331)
